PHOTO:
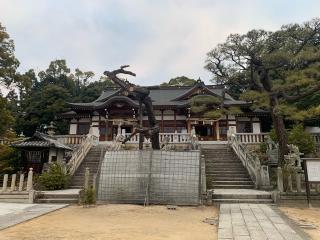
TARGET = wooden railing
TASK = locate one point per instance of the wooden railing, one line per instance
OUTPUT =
(251, 137)
(79, 154)
(171, 137)
(258, 173)
(70, 139)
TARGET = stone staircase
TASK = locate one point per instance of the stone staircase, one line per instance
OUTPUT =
(92, 162)
(68, 196)
(228, 178)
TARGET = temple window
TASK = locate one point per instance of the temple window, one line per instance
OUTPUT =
(244, 127)
(83, 129)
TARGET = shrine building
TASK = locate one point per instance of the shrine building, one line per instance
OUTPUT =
(113, 110)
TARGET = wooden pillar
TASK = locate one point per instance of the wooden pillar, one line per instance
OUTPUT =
(188, 126)
(162, 124)
(175, 120)
(218, 130)
(141, 136)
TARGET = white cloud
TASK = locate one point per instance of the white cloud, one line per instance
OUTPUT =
(160, 39)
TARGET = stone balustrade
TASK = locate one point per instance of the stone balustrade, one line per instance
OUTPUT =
(14, 190)
(70, 139)
(251, 137)
(294, 182)
(79, 154)
(170, 137)
(258, 173)
(18, 186)
(316, 137)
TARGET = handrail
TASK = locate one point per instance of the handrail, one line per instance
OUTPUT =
(79, 154)
(259, 174)
(97, 174)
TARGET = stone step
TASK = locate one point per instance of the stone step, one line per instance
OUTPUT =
(237, 165)
(223, 178)
(57, 200)
(226, 171)
(76, 186)
(230, 176)
(52, 195)
(92, 169)
(220, 156)
(241, 196)
(81, 174)
(222, 160)
(249, 186)
(248, 182)
(260, 201)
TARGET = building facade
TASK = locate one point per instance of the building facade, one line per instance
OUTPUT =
(113, 110)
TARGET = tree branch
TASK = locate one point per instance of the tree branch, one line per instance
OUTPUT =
(300, 96)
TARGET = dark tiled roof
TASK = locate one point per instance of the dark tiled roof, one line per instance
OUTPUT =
(40, 140)
(161, 96)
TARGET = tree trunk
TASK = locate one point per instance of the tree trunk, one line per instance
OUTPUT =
(277, 119)
(152, 123)
(280, 130)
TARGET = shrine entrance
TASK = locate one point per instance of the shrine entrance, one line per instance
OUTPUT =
(205, 132)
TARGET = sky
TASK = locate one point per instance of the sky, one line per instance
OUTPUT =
(159, 39)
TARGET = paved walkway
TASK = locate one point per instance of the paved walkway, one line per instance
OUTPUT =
(14, 213)
(253, 222)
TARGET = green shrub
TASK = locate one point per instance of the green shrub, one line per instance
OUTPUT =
(88, 196)
(54, 179)
(263, 147)
(299, 137)
(10, 160)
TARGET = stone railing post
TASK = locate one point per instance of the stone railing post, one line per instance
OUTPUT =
(21, 181)
(289, 189)
(94, 181)
(13, 182)
(86, 178)
(265, 178)
(279, 179)
(298, 181)
(257, 172)
(5, 183)
(29, 179)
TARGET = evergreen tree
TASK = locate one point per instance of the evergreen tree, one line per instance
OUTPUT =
(276, 70)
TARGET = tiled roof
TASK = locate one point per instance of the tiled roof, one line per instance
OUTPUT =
(40, 140)
(161, 96)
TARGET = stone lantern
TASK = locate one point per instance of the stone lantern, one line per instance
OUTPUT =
(51, 129)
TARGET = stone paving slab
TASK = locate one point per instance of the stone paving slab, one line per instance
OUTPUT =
(14, 213)
(253, 222)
